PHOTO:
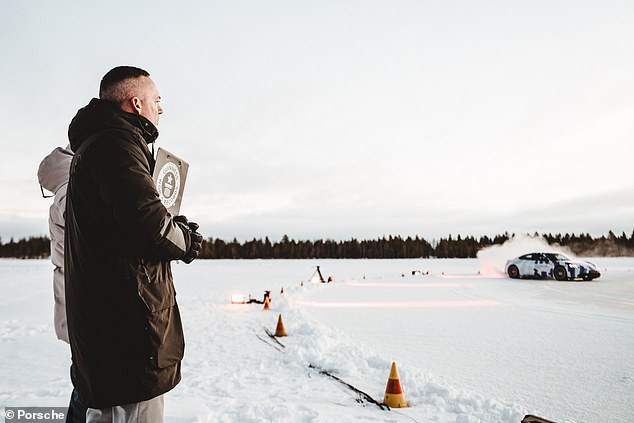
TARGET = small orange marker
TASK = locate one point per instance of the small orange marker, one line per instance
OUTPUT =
(394, 396)
(266, 304)
(280, 330)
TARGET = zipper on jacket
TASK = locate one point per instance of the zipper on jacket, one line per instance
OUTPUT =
(147, 276)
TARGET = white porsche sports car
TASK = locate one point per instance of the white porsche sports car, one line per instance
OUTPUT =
(551, 265)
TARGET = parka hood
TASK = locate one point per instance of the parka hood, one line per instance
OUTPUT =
(53, 171)
(99, 115)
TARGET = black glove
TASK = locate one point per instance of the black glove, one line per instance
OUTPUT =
(193, 239)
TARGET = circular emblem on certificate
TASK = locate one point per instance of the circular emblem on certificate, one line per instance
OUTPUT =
(168, 183)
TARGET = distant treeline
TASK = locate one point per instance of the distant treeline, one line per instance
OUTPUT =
(33, 247)
(382, 248)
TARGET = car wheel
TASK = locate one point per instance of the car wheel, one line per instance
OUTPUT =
(587, 278)
(560, 273)
(513, 272)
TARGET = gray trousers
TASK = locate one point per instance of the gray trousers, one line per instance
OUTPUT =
(150, 411)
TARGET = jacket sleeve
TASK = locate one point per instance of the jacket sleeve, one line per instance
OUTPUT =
(56, 222)
(126, 187)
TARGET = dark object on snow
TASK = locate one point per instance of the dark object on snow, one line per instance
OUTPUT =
(529, 418)
(267, 294)
(317, 272)
(362, 395)
(272, 336)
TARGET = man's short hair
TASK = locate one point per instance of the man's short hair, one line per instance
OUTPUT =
(121, 83)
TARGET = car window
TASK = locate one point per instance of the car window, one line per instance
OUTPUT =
(557, 256)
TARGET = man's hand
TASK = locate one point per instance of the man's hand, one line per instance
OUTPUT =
(193, 239)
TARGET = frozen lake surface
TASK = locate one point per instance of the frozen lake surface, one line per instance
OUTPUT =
(470, 346)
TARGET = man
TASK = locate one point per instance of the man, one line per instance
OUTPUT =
(123, 321)
(53, 176)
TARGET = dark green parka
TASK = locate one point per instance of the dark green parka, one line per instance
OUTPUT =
(124, 325)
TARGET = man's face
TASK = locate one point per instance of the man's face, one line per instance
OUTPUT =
(150, 102)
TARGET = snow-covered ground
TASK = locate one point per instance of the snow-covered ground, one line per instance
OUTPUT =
(470, 345)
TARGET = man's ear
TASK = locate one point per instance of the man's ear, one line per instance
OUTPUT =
(136, 105)
(132, 105)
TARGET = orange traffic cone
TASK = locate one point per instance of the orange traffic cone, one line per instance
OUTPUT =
(394, 396)
(280, 330)
(266, 304)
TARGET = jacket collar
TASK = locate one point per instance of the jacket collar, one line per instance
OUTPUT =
(148, 130)
(102, 114)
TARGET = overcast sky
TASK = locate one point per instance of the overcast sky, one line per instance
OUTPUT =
(339, 119)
